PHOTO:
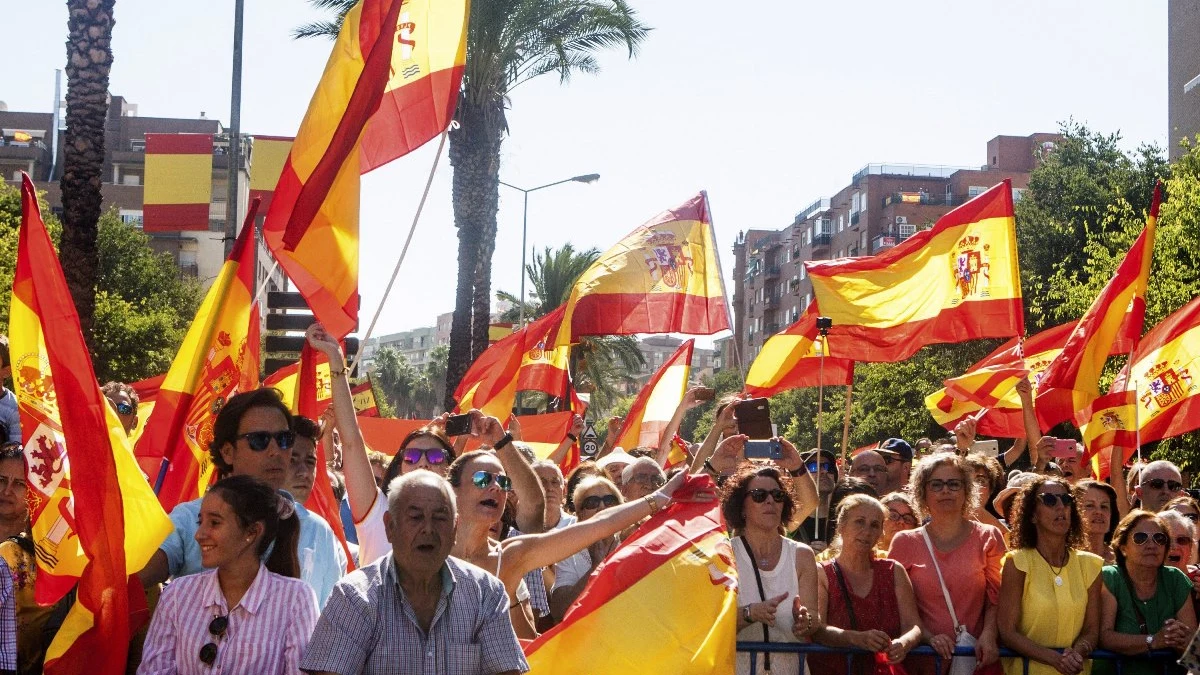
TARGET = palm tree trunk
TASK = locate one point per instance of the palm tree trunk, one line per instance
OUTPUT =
(481, 306)
(475, 156)
(89, 58)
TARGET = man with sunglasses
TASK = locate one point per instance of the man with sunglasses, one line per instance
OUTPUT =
(124, 400)
(1161, 481)
(814, 530)
(898, 455)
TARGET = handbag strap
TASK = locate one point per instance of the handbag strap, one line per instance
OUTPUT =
(837, 570)
(937, 568)
(761, 594)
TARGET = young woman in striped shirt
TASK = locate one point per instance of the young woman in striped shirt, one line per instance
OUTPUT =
(240, 615)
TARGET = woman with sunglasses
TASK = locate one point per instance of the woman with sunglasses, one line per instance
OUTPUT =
(1098, 506)
(1049, 585)
(777, 593)
(867, 601)
(955, 548)
(1144, 604)
(1189, 508)
(593, 494)
(901, 516)
(241, 615)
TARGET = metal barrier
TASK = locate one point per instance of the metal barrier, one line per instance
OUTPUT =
(1164, 658)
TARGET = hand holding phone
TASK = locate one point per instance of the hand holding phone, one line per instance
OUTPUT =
(764, 449)
(458, 425)
(1064, 447)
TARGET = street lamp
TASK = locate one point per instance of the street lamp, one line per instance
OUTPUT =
(586, 178)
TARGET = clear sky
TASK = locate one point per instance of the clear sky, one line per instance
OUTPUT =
(768, 105)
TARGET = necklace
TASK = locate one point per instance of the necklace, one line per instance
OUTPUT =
(765, 559)
(1058, 580)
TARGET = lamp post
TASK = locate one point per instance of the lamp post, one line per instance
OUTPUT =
(586, 178)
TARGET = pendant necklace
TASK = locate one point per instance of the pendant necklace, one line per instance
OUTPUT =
(1058, 580)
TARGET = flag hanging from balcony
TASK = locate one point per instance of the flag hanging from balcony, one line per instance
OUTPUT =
(664, 277)
(178, 187)
(791, 359)
(389, 86)
(958, 281)
(656, 403)
(1072, 381)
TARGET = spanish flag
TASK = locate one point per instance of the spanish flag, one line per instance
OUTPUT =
(491, 383)
(364, 400)
(389, 86)
(219, 358)
(267, 158)
(101, 528)
(656, 403)
(958, 281)
(663, 602)
(545, 367)
(1072, 381)
(662, 278)
(791, 359)
(178, 187)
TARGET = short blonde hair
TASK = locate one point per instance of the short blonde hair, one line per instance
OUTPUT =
(924, 470)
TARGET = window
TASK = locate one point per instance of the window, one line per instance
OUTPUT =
(1017, 193)
(976, 190)
(839, 225)
(803, 273)
(863, 241)
(908, 230)
(131, 179)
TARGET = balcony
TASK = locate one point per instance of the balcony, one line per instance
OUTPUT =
(854, 217)
(821, 240)
(772, 272)
(814, 208)
(924, 199)
(772, 328)
(771, 302)
(886, 240)
(915, 170)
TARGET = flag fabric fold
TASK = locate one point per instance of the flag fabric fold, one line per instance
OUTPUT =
(390, 85)
(656, 403)
(219, 358)
(545, 367)
(676, 573)
(103, 527)
(791, 359)
(958, 281)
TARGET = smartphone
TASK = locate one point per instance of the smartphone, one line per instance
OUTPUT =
(754, 417)
(990, 448)
(458, 425)
(768, 449)
(705, 394)
(1064, 447)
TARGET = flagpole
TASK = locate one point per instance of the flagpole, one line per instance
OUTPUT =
(823, 324)
(395, 271)
(712, 233)
(846, 421)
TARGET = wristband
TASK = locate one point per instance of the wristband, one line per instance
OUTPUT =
(573, 437)
(709, 467)
(799, 472)
(504, 440)
(746, 614)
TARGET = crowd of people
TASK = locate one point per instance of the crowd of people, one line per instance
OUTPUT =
(464, 546)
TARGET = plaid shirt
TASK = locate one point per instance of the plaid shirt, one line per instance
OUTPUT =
(8, 619)
(369, 627)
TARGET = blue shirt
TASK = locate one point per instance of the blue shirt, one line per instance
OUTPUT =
(322, 560)
(9, 415)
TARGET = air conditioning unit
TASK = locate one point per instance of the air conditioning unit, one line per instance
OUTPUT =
(901, 220)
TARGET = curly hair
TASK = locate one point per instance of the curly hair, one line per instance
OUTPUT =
(1024, 533)
(995, 473)
(113, 388)
(1124, 529)
(736, 489)
(923, 471)
(1183, 500)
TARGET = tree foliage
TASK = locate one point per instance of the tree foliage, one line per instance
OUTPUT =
(410, 391)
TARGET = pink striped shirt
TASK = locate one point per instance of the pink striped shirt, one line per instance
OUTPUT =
(268, 629)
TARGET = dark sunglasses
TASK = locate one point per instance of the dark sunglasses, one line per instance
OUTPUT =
(595, 501)
(826, 467)
(432, 455)
(1158, 483)
(261, 440)
(216, 628)
(759, 495)
(483, 480)
(125, 409)
(1184, 541)
(1050, 499)
(1159, 538)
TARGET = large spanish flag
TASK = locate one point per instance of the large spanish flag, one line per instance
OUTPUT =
(491, 383)
(958, 281)
(389, 86)
(219, 358)
(662, 278)
(791, 359)
(545, 367)
(663, 602)
(266, 166)
(656, 403)
(101, 528)
(1113, 321)
(178, 187)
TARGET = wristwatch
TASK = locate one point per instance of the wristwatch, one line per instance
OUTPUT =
(1149, 641)
(746, 614)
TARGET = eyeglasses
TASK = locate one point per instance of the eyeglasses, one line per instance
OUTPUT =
(14, 483)
(1051, 499)
(870, 469)
(1159, 538)
(594, 502)
(826, 467)
(759, 495)
(216, 628)
(261, 440)
(125, 409)
(432, 455)
(896, 516)
(953, 485)
(649, 479)
(1158, 483)
(483, 480)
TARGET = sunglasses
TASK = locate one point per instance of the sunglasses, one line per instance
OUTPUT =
(1050, 499)
(483, 480)
(432, 455)
(953, 485)
(649, 479)
(216, 628)
(825, 467)
(1159, 538)
(125, 409)
(896, 516)
(759, 495)
(594, 502)
(261, 440)
(1184, 541)
(1158, 483)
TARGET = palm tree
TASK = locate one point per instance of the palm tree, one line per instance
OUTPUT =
(552, 274)
(509, 42)
(89, 58)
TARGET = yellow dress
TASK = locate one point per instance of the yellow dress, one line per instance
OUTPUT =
(1052, 614)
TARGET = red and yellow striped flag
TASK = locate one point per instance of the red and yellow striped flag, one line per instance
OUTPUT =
(219, 358)
(655, 404)
(266, 166)
(491, 383)
(545, 367)
(677, 573)
(791, 359)
(178, 187)
(1114, 320)
(101, 528)
(958, 281)
(662, 278)
(389, 86)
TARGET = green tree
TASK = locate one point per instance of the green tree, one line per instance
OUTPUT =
(552, 274)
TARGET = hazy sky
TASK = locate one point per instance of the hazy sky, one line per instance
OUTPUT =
(767, 107)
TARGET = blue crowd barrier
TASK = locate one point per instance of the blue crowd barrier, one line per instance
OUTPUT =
(1163, 658)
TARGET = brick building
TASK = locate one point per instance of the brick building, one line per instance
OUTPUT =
(883, 205)
(1183, 73)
